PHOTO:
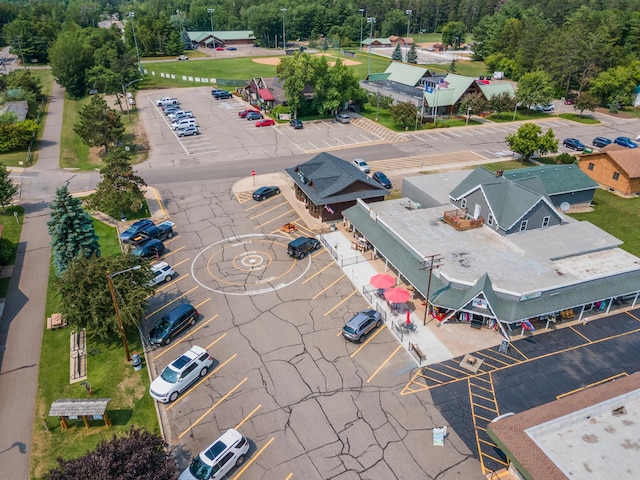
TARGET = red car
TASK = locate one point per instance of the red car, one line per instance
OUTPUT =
(265, 122)
(220, 49)
(244, 113)
(570, 101)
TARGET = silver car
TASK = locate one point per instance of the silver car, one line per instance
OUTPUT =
(361, 324)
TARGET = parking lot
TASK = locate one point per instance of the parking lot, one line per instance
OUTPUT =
(311, 404)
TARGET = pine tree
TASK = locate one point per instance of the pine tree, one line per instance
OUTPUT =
(452, 66)
(397, 54)
(412, 55)
(71, 230)
(119, 191)
(98, 125)
(7, 188)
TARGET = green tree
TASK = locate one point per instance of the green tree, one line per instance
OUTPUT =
(585, 102)
(404, 114)
(297, 72)
(535, 88)
(452, 66)
(412, 54)
(616, 83)
(138, 455)
(71, 231)
(16, 135)
(7, 188)
(99, 125)
(86, 301)
(394, 23)
(397, 53)
(70, 59)
(502, 102)
(529, 140)
(120, 188)
(475, 103)
(454, 34)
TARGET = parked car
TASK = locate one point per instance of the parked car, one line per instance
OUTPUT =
(266, 122)
(162, 272)
(151, 249)
(570, 101)
(232, 49)
(217, 460)
(301, 246)
(601, 141)
(166, 101)
(254, 116)
(244, 113)
(172, 323)
(343, 118)
(362, 165)
(188, 131)
(544, 108)
(135, 228)
(183, 123)
(295, 123)
(182, 57)
(216, 90)
(361, 324)
(161, 231)
(573, 144)
(265, 192)
(625, 142)
(169, 109)
(222, 95)
(180, 114)
(382, 179)
(180, 374)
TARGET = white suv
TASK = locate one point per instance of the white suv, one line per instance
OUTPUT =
(162, 272)
(213, 463)
(180, 374)
(362, 165)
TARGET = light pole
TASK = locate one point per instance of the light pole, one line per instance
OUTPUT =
(135, 41)
(370, 21)
(124, 95)
(112, 289)
(361, 10)
(213, 32)
(430, 262)
(408, 12)
(284, 38)
(468, 113)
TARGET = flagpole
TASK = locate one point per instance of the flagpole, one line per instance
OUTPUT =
(435, 115)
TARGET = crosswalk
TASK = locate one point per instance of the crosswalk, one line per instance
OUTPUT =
(420, 162)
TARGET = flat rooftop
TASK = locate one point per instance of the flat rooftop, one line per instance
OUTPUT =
(553, 257)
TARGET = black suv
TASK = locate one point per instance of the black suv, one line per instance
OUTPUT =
(172, 323)
(301, 246)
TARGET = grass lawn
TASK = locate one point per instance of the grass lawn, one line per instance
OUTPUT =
(577, 118)
(11, 231)
(608, 210)
(74, 152)
(110, 376)
(19, 158)
(463, 67)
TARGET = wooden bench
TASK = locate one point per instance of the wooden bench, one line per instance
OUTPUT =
(421, 356)
(55, 321)
(78, 360)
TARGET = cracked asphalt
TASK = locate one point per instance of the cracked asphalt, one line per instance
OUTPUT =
(312, 405)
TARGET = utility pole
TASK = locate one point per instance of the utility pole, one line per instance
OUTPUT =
(361, 10)
(213, 32)
(430, 262)
(135, 41)
(370, 21)
(408, 12)
(284, 38)
(112, 290)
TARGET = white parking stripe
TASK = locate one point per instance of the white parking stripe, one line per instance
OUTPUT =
(313, 147)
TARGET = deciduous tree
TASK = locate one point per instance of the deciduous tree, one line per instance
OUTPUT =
(7, 188)
(454, 34)
(535, 88)
(71, 231)
(473, 103)
(99, 125)
(502, 102)
(585, 102)
(120, 188)
(404, 114)
(70, 59)
(139, 455)
(529, 140)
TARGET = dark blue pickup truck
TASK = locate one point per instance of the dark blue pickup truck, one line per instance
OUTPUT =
(161, 231)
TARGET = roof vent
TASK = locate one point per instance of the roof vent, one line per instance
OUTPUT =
(618, 412)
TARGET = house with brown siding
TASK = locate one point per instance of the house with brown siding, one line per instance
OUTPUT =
(614, 167)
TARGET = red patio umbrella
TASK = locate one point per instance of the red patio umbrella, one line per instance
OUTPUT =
(382, 280)
(397, 295)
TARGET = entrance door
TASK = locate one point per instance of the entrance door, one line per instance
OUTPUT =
(476, 211)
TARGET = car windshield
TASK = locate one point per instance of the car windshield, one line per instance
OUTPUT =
(169, 375)
(199, 469)
(163, 326)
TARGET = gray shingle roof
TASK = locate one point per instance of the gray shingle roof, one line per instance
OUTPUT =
(333, 180)
(77, 407)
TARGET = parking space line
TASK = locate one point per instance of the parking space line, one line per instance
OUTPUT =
(384, 363)
(245, 419)
(314, 147)
(262, 203)
(160, 204)
(182, 261)
(362, 345)
(317, 273)
(169, 303)
(572, 327)
(274, 219)
(253, 458)
(270, 209)
(168, 349)
(202, 380)
(633, 316)
(222, 399)
(604, 380)
(318, 253)
(340, 303)
(176, 250)
(167, 285)
(303, 227)
(521, 354)
(288, 477)
(329, 286)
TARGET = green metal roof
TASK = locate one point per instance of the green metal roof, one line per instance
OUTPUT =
(378, 77)
(492, 89)
(382, 41)
(222, 35)
(405, 74)
(445, 96)
(555, 178)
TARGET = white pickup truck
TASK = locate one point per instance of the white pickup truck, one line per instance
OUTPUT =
(164, 101)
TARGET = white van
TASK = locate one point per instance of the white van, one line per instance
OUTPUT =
(219, 458)
(165, 101)
(184, 123)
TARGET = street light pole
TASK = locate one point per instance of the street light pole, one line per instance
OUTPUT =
(361, 10)
(112, 290)
(135, 41)
(430, 263)
(284, 38)
(213, 32)
(124, 95)
(370, 21)
(408, 12)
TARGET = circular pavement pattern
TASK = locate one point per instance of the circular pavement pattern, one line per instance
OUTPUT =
(248, 265)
